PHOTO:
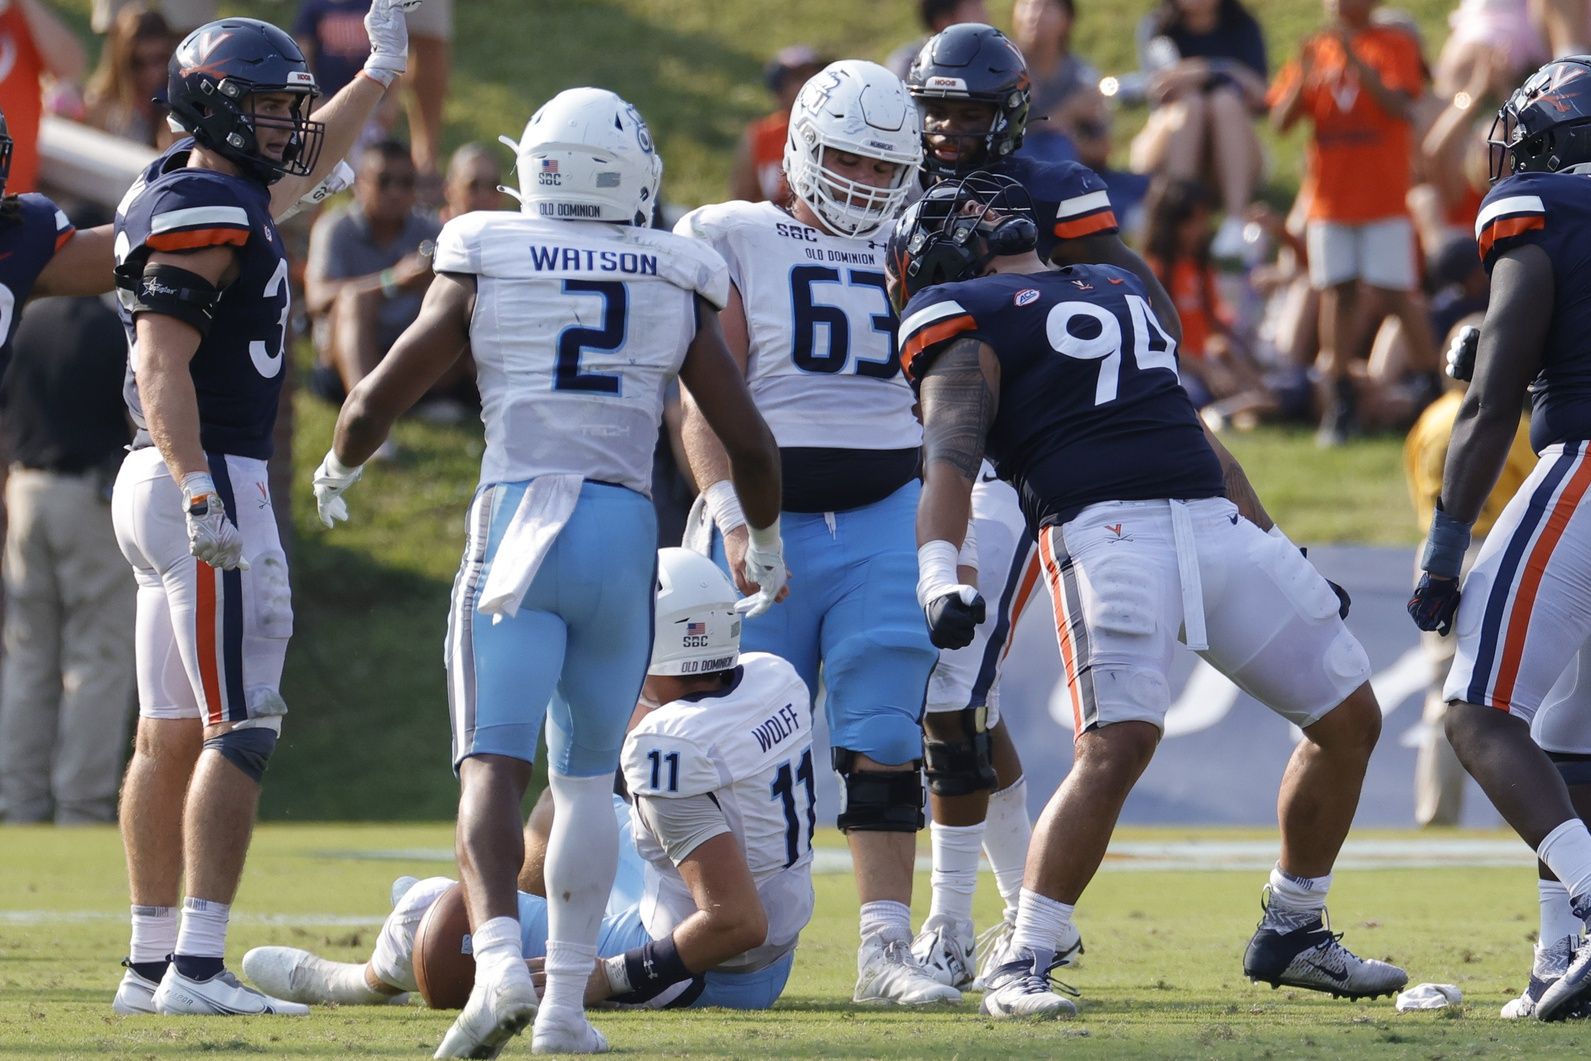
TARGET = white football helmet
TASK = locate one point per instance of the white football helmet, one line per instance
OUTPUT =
(587, 155)
(696, 629)
(860, 108)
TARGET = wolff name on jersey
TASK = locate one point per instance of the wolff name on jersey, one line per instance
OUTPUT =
(780, 725)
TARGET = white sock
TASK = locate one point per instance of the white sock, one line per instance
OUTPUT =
(1557, 918)
(582, 859)
(1007, 833)
(955, 875)
(345, 984)
(202, 933)
(154, 934)
(568, 967)
(886, 919)
(1040, 921)
(1295, 901)
(498, 949)
(1567, 852)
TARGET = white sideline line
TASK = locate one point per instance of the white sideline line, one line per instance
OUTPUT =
(75, 917)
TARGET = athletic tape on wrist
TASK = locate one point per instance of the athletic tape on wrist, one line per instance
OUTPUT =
(1445, 545)
(936, 570)
(723, 504)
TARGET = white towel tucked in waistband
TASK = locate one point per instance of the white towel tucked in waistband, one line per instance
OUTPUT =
(543, 509)
(1193, 631)
(698, 536)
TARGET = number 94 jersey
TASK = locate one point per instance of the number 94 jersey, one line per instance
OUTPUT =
(822, 366)
(747, 747)
(1090, 406)
(237, 370)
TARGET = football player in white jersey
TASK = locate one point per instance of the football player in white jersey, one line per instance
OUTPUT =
(719, 762)
(578, 317)
(812, 328)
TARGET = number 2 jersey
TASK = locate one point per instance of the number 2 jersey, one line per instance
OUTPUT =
(579, 327)
(1553, 211)
(32, 229)
(821, 367)
(237, 369)
(1090, 407)
(747, 750)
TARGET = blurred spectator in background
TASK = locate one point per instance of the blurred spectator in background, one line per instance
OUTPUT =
(331, 34)
(1486, 31)
(1354, 81)
(66, 684)
(1218, 371)
(183, 16)
(1454, 171)
(122, 93)
(1457, 284)
(1206, 61)
(1065, 88)
(34, 44)
(935, 15)
(757, 172)
(368, 270)
(1565, 25)
(425, 89)
(473, 176)
(1128, 190)
(1438, 776)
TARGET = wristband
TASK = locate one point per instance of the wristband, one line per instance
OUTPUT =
(1445, 545)
(766, 538)
(936, 570)
(618, 979)
(649, 970)
(724, 506)
(197, 484)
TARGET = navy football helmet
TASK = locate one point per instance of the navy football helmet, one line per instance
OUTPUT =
(954, 230)
(213, 74)
(972, 61)
(1545, 126)
(5, 153)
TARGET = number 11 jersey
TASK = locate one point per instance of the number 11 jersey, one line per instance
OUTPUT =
(1091, 407)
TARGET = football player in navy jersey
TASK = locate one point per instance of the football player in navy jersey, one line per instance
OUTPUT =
(204, 298)
(1068, 381)
(971, 85)
(1526, 605)
(41, 253)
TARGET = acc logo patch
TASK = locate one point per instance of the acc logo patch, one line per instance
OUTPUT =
(1026, 297)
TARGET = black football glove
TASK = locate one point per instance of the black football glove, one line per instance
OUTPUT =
(1434, 602)
(952, 619)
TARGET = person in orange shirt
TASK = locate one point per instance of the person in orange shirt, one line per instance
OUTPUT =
(1354, 81)
(39, 44)
(758, 170)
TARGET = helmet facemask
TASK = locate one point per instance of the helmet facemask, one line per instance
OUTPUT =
(955, 230)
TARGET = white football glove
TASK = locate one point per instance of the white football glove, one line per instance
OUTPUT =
(340, 177)
(388, 31)
(212, 538)
(332, 479)
(764, 566)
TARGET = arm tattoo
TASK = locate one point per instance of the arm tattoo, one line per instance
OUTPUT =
(958, 408)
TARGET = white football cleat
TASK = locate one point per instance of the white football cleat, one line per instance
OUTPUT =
(299, 976)
(1566, 997)
(1020, 990)
(491, 1017)
(135, 996)
(221, 995)
(944, 949)
(554, 1035)
(1550, 963)
(994, 948)
(889, 973)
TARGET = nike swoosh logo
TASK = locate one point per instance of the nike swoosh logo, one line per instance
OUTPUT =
(1341, 977)
(1234, 518)
(989, 479)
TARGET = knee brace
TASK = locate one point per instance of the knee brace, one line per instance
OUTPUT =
(1574, 768)
(962, 766)
(248, 749)
(879, 801)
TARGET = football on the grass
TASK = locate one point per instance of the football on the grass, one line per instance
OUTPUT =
(444, 962)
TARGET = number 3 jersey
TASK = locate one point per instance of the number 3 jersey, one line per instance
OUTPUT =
(237, 369)
(579, 327)
(747, 751)
(1090, 406)
(822, 366)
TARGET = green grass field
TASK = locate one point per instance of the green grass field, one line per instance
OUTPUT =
(1161, 977)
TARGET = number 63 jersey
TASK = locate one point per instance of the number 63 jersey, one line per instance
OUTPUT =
(1091, 407)
(822, 365)
(237, 370)
(745, 755)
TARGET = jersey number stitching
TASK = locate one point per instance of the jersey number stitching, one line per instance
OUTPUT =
(657, 759)
(809, 315)
(783, 789)
(608, 337)
(265, 363)
(1106, 346)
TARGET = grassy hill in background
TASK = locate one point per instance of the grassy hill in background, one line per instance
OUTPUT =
(367, 737)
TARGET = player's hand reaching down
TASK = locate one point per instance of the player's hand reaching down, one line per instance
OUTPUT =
(954, 616)
(389, 39)
(212, 538)
(1434, 603)
(332, 480)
